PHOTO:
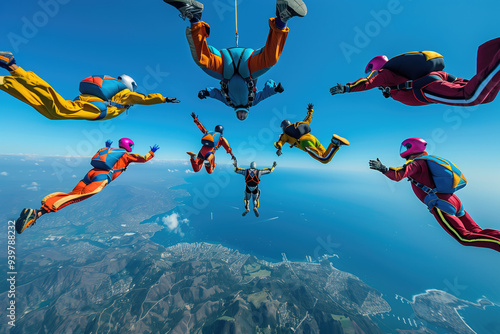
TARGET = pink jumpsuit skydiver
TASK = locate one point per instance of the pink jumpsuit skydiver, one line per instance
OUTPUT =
(460, 225)
(482, 88)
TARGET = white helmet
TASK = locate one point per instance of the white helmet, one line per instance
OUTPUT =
(253, 165)
(128, 81)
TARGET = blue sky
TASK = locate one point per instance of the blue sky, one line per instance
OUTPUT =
(74, 39)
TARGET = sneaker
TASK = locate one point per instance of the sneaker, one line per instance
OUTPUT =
(193, 155)
(338, 141)
(256, 212)
(245, 213)
(286, 9)
(6, 59)
(26, 219)
(189, 9)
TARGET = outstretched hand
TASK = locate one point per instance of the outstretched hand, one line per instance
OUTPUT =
(279, 88)
(339, 89)
(233, 158)
(109, 142)
(377, 165)
(275, 164)
(279, 153)
(171, 100)
(310, 106)
(194, 115)
(154, 148)
(202, 94)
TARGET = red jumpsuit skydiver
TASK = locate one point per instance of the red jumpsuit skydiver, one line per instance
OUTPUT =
(207, 152)
(482, 88)
(460, 225)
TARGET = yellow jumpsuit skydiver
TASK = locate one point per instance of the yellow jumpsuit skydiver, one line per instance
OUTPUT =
(28, 87)
(298, 135)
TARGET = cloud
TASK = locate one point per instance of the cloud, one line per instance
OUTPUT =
(33, 186)
(189, 171)
(4, 173)
(173, 223)
(172, 170)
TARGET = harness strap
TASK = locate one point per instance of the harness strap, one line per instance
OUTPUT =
(425, 189)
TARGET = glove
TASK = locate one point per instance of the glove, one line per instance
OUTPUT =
(172, 100)
(275, 164)
(233, 158)
(279, 153)
(310, 106)
(109, 142)
(154, 148)
(203, 94)
(194, 115)
(235, 163)
(339, 89)
(279, 88)
(377, 165)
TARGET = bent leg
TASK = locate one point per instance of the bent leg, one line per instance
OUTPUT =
(205, 56)
(266, 57)
(29, 88)
(457, 227)
(196, 164)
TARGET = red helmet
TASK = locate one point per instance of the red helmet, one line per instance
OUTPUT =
(376, 63)
(127, 144)
(411, 146)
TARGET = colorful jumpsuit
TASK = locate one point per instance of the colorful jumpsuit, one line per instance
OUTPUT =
(212, 61)
(208, 150)
(306, 142)
(92, 183)
(482, 88)
(459, 225)
(31, 89)
(252, 180)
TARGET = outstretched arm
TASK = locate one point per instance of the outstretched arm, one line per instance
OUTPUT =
(309, 116)
(238, 170)
(198, 123)
(270, 88)
(268, 170)
(410, 169)
(226, 146)
(213, 93)
(127, 97)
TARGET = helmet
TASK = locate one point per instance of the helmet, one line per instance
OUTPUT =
(285, 123)
(127, 144)
(219, 128)
(411, 146)
(241, 113)
(253, 165)
(128, 81)
(376, 63)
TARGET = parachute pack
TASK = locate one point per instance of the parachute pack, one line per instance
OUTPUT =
(107, 157)
(297, 130)
(211, 139)
(102, 86)
(445, 174)
(414, 65)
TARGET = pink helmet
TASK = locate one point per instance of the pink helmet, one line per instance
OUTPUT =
(411, 146)
(127, 144)
(376, 63)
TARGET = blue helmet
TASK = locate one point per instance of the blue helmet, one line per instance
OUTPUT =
(241, 113)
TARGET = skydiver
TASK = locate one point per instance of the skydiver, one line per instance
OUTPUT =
(238, 68)
(252, 179)
(212, 141)
(416, 78)
(102, 98)
(434, 180)
(299, 135)
(109, 163)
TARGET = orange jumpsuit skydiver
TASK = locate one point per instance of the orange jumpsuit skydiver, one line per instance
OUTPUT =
(211, 141)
